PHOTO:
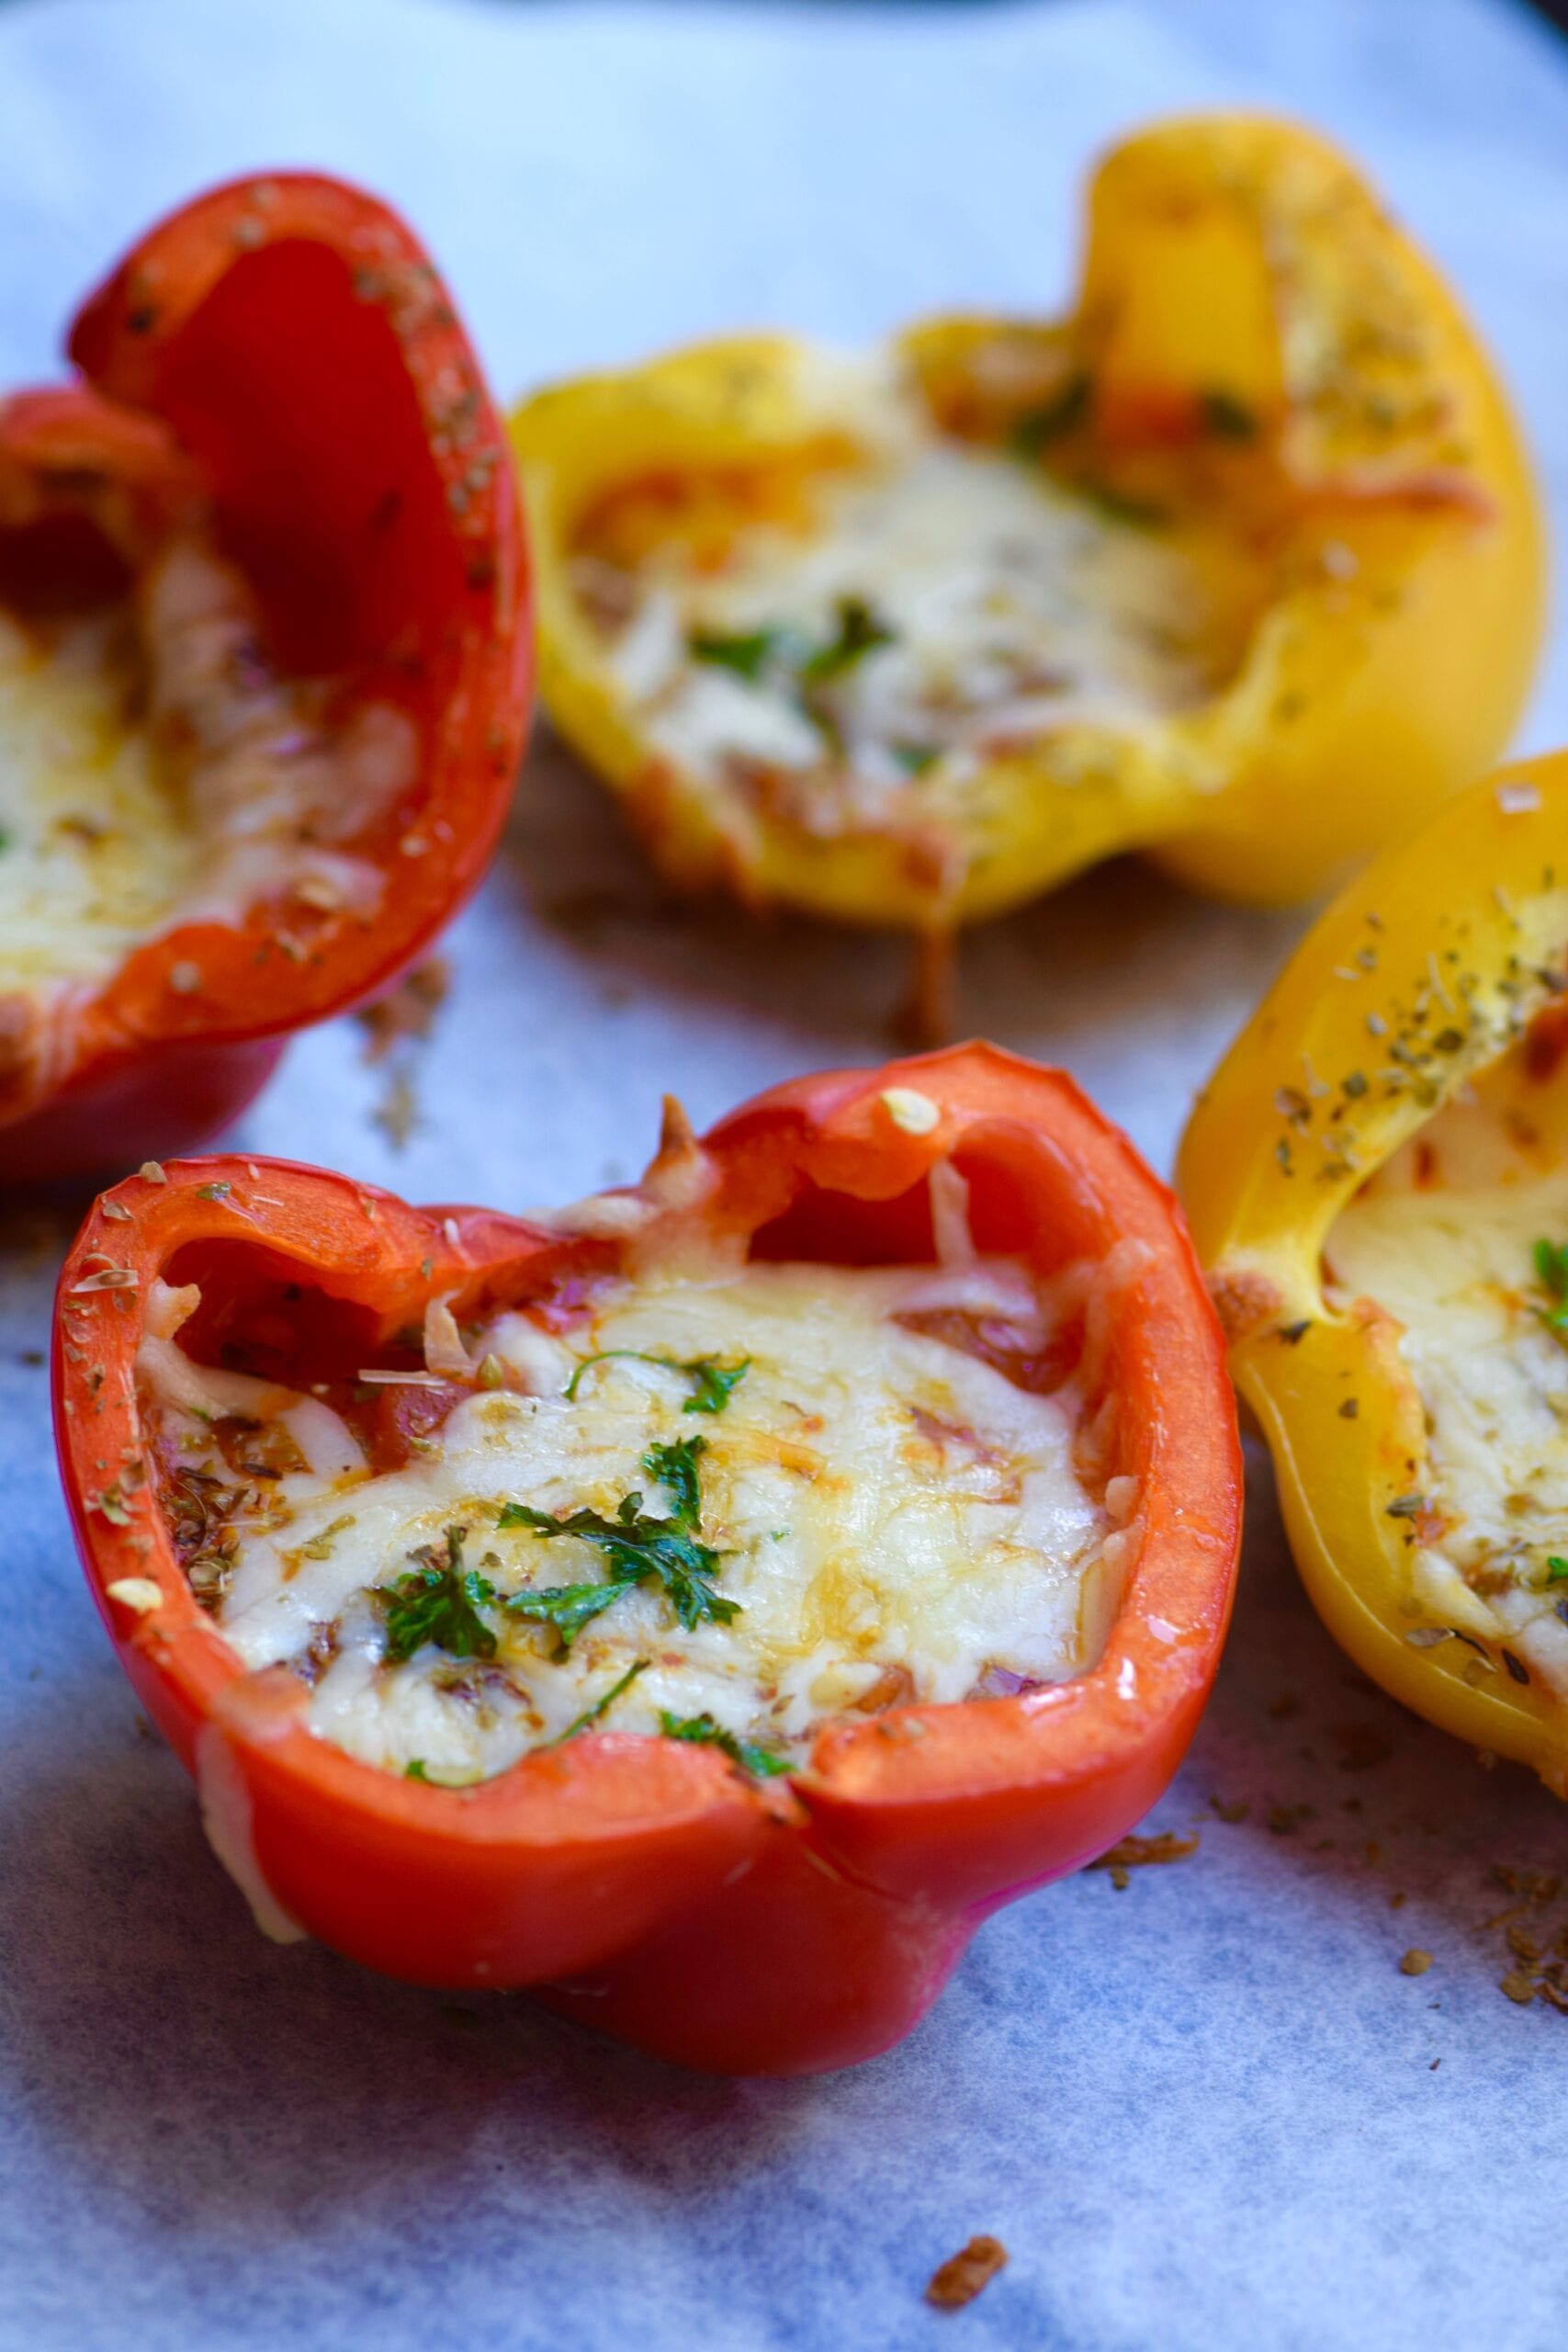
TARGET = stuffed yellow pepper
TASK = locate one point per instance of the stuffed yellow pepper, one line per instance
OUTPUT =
(1377, 1180)
(1240, 563)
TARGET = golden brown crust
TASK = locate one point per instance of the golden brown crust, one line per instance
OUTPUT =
(1243, 1299)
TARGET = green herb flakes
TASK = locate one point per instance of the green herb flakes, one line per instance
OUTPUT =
(1228, 418)
(602, 1705)
(860, 632)
(637, 1548)
(675, 1467)
(1119, 506)
(320, 1546)
(438, 1602)
(1552, 1272)
(747, 655)
(567, 1607)
(760, 1762)
(916, 758)
(1037, 428)
(715, 1383)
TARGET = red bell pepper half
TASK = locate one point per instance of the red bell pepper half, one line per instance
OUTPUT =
(279, 362)
(642, 1883)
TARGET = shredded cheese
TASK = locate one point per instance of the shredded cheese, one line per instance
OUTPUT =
(987, 606)
(893, 1518)
(154, 772)
(1443, 1240)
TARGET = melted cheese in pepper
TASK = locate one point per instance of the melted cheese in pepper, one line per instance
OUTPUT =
(1005, 606)
(154, 771)
(93, 854)
(1443, 1238)
(895, 1519)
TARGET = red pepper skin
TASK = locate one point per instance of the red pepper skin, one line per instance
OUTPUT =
(645, 1885)
(282, 351)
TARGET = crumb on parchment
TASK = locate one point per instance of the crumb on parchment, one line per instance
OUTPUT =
(960, 2278)
(1134, 1853)
(1537, 1945)
(396, 1025)
(407, 1010)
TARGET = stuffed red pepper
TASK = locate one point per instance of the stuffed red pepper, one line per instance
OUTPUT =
(265, 664)
(702, 1605)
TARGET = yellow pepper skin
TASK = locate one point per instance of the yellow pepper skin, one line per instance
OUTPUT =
(1259, 363)
(1417, 982)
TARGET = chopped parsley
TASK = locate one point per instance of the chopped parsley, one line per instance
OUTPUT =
(441, 1776)
(1552, 1272)
(1228, 418)
(916, 758)
(859, 632)
(702, 1730)
(567, 1607)
(747, 654)
(604, 1702)
(437, 1602)
(675, 1467)
(1038, 427)
(1556, 1569)
(715, 1383)
(1118, 506)
(214, 1192)
(787, 659)
(637, 1548)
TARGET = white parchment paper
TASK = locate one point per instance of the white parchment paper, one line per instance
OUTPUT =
(1204, 2111)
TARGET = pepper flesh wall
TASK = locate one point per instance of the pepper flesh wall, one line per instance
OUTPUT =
(1377, 1177)
(754, 1821)
(1240, 565)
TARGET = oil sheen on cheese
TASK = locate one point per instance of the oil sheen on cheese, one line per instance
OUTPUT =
(896, 1520)
(1443, 1238)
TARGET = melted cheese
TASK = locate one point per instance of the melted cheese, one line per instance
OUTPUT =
(1011, 609)
(895, 1518)
(94, 852)
(153, 772)
(1443, 1240)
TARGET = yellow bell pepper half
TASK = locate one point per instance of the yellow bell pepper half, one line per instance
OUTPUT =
(1240, 564)
(1377, 1180)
